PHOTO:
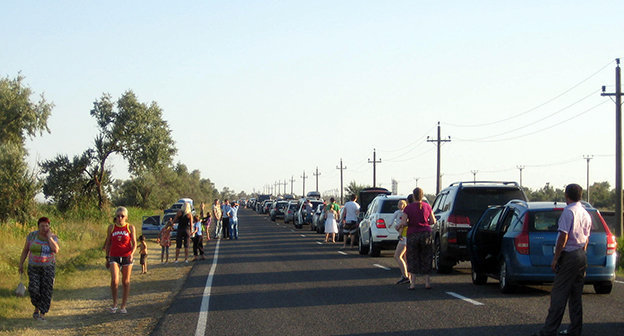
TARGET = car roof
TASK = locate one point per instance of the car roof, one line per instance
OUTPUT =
(544, 205)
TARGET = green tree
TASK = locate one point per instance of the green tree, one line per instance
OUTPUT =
(20, 117)
(354, 189)
(134, 130)
(601, 196)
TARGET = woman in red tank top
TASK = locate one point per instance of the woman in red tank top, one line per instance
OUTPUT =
(120, 246)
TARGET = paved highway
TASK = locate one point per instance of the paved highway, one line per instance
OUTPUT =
(276, 280)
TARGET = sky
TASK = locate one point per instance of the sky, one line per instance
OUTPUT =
(256, 92)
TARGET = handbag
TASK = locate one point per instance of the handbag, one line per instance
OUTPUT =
(21, 289)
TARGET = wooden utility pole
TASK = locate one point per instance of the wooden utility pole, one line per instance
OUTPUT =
(303, 178)
(374, 162)
(520, 167)
(438, 142)
(292, 180)
(618, 147)
(341, 187)
(588, 157)
(316, 174)
(474, 175)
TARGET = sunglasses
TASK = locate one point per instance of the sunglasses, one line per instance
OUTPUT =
(120, 216)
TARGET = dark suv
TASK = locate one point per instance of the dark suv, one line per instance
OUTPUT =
(457, 208)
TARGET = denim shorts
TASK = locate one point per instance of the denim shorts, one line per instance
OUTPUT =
(121, 261)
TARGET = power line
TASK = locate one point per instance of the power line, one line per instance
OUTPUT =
(538, 106)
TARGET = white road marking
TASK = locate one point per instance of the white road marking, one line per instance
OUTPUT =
(476, 303)
(320, 243)
(303, 236)
(618, 281)
(382, 267)
(343, 253)
(202, 321)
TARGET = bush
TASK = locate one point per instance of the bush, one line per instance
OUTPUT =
(620, 253)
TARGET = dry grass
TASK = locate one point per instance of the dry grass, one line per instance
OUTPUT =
(81, 299)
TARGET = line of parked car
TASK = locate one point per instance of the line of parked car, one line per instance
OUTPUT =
(151, 225)
(491, 224)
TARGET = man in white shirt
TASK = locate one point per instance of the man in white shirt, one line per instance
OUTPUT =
(350, 220)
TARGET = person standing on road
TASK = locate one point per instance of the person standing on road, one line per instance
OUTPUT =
(184, 218)
(419, 254)
(399, 252)
(225, 219)
(350, 220)
(216, 218)
(331, 227)
(198, 239)
(164, 239)
(40, 248)
(233, 218)
(569, 264)
(120, 245)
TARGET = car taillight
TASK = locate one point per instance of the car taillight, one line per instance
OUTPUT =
(381, 224)
(522, 240)
(454, 220)
(611, 242)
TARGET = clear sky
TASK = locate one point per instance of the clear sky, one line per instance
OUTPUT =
(259, 91)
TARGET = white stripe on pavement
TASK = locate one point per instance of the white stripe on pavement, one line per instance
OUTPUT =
(382, 267)
(476, 303)
(303, 236)
(343, 253)
(618, 281)
(202, 321)
(320, 243)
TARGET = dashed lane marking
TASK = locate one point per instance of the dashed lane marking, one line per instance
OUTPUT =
(618, 281)
(476, 303)
(303, 235)
(381, 266)
(320, 243)
(342, 252)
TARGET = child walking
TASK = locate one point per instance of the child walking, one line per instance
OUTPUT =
(164, 239)
(143, 252)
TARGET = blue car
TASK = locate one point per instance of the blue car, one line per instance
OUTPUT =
(515, 243)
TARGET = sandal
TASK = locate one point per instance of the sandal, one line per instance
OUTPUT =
(113, 310)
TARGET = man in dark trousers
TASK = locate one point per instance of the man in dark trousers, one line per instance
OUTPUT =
(569, 264)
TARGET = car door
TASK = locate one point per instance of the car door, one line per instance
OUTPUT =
(484, 239)
(365, 223)
(150, 225)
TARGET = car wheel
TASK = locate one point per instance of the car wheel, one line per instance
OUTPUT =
(373, 249)
(478, 278)
(603, 287)
(362, 249)
(505, 285)
(440, 264)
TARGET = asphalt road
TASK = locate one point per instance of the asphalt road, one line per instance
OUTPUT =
(276, 280)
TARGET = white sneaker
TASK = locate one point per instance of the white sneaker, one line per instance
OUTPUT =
(123, 311)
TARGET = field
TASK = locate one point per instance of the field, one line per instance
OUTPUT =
(82, 292)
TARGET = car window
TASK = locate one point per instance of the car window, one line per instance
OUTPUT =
(548, 221)
(491, 216)
(471, 202)
(511, 217)
(517, 223)
(436, 203)
(389, 206)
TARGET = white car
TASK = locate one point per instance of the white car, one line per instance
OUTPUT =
(373, 231)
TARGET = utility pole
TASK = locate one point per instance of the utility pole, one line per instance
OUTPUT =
(292, 180)
(474, 175)
(520, 167)
(276, 187)
(588, 157)
(374, 162)
(316, 175)
(341, 187)
(303, 178)
(439, 142)
(416, 180)
(618, 146)
(285, 184)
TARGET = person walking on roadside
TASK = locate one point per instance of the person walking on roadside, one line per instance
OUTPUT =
(225, 219)
(164, 239)
(40, 248)
(233, 219)
(120, 245)
(331, 213)
(419, 254)
(350, 220)
(569, 264)
(399, 252)
(215, 213)
(184, 218)
(198, 239)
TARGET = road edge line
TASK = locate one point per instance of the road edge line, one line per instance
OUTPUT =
(202, 321)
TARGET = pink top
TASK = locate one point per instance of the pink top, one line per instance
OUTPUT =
(417, 218)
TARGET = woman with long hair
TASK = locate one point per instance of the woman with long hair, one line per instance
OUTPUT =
(419, 218)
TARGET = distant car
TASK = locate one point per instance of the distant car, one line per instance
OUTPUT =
(151, 225)
(374, 234)
(304, 216)
(313, 195)
(266, 206)
(289, 211)
(459, 206)
(178, 205)
(277, 210)
(514, 243)
(317, 222)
